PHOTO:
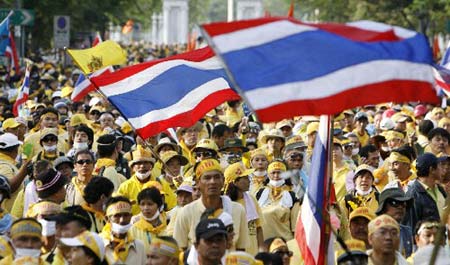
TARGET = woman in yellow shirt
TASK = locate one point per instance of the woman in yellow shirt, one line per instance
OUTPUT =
(278, 204)
(152, 220)
(237, 185)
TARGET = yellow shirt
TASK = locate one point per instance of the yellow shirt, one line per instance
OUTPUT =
(17, 208)
(339, 178)
(33, 139)
(145, 231)
(8, 169)
(297, 257)
(170, 195)
(253, 225)
(74, 193)
(363, 139)
(189, 216)
(136, 252)
(186, 152)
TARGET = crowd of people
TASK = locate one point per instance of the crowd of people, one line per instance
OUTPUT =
(78, 186)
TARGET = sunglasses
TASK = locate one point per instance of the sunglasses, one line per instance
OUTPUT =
(230, 229)
(204, 154)
(296, 156)
(50, 139)
(283, 253)
(84, 161)
(396, 204)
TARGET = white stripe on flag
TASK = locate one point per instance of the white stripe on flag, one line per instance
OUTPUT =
(139, 79)
(311, 227)
(187, 103)
(381, 27)
(340, 81)
(255, 36)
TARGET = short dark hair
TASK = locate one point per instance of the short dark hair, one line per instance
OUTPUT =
(428, 219)
(407, 151)
(88, 131)
(439, 132)
(425, 127)
(113, 200)
(82, 152)
(219, 130)
(97, 187)
(152, 194)
(365, 150)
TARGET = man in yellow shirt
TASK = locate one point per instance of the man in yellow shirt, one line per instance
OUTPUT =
(210, 179)
(342, 172)
(84, 166)
(188, 140)
(141, 165)
(361, 121)
(106, 163)
(9, 149)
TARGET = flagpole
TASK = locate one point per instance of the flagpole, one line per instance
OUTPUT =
(235, 86)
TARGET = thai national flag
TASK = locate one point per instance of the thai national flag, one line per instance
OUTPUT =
(311, 228)
(8, 45)
(286, 68)
(173, 92)
(442, 72)
(23, 94)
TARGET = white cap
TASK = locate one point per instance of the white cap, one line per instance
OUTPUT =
(94, 101)
(88, 239)
(8, 140)
(387, 124)
(226, 219)
(56, 94)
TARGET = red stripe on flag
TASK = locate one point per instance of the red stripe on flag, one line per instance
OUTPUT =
(300, 236)
(189, 118)
(396, 91)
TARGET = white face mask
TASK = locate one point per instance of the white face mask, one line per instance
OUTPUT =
(386, 148)
(27, 252)
(156, 215)
(51, 148)
(276, 183)
(355, 151)
(80, 146)
(48, 227)
(143, 176)
(363, 193)
(260, 173)
(120, 229)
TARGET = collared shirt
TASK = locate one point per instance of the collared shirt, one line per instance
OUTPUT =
(436, 195)
(340, 175)
(130, 189)
(8, 169)
(189, 216)
(136, 253)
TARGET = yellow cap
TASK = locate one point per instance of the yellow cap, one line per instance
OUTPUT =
(294, 140)
(442, 122)
(312, 127)
(276, 166)
(355, 246)
(5, 248)
(165, 247)
(361, 212)
(273, 133)
(206, 144)
(26, 227)
(283, 123)
(166, 156)
(78, 119)
(391, 135)
(10, 123)
(276, 244)
(206, 166)
(141, 154)
(239, 258)
(66, 91)
(235, 171)
(257, 152)
(437, 110)
(383, 220)
(153, 183)
(49, 131)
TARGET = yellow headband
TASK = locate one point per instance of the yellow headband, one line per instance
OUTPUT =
(383, 220)
(48, 114)
(43, 207)
(118, 207)
(397, 157)
(207, 165)
(276, 165)
(26, 227)
(391, 135)
(165, 247)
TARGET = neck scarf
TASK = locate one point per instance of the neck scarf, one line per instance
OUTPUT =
(148, 227)
(122, 247)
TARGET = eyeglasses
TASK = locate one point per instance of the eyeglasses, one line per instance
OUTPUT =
(282, 253)
(230, 229)
(50, 139)
(206, 154)
(396, 204)
(84, 161)
(295, 156)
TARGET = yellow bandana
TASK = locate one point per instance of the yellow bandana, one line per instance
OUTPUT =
(276, 166)
(122, 244)
(397, 157)
(104, 162)
(165, 247)
(118, 207)
(207, 165)
(43, 207)
(148, 227)
(26, 227)
(383, 220)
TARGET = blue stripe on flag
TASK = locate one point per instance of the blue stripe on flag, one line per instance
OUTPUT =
(327, 51)
(164, 90)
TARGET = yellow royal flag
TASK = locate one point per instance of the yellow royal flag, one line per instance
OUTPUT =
(104, 54)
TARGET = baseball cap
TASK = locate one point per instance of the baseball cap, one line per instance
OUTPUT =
(61, 160)
(185, 186)
(426, 160)
(8, 140)
(363, 167)
(361, 115)
(394, 194)
(361, 212)
(383, 220)
(208, 228)
(88, 239)
(355, 247)
(10, 123)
